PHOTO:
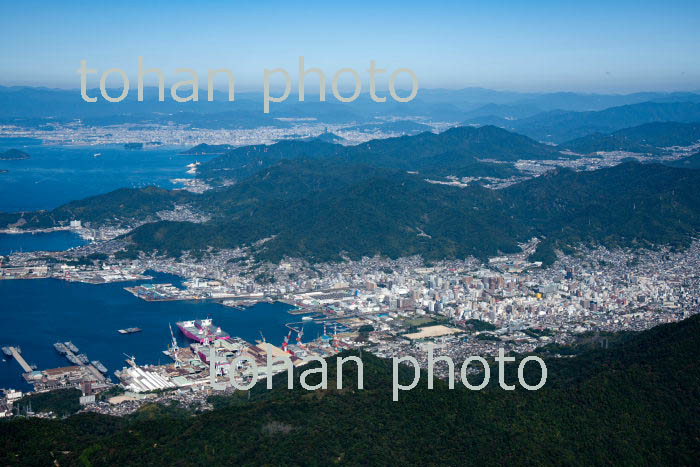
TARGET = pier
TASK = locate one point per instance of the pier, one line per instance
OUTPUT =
(22, 362)
(95, 372)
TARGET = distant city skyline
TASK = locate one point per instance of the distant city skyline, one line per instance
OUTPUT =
(537, 46)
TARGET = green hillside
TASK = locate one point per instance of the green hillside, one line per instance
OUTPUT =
(324, 209)
(122, 205)
(690, 162)
(245, 161)
(648, 138)
(398, 214)
(399, 126)
(453, 152)
(634, 403)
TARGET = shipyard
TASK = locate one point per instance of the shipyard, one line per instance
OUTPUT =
(391, 308)
(212, 361)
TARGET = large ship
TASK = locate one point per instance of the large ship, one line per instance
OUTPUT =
(73, 359)
(71, 346)
(60, 348)
(7, 351)
(202, 330)
(100, 367)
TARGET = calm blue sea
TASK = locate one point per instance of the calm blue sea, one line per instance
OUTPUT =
(58, 174)
(37, 313)
(53, 241)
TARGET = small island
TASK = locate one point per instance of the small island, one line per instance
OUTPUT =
(13, 154)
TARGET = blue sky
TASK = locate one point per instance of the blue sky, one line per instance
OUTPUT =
(591, 46)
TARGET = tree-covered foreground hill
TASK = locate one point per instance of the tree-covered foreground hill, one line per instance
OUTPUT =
(636, 402)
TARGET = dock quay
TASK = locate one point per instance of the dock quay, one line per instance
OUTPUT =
(22, 362)
(168, 292)
(70, 355)
(35, 231)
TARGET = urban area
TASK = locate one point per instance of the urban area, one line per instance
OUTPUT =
(390, 308)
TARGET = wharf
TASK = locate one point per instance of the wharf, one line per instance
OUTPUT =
(168, 293)
(95, 372)
(34, 231)
(22, 362)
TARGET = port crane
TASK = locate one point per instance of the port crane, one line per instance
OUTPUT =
(285, 344)
(131, 360)
(335, 336)
(300, 334)
(172, 338)
(173, 345)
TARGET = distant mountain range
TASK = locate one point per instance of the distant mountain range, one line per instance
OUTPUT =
(558, 126)
(649, 138)
(295, 193)
(475, 100)
(533, 114)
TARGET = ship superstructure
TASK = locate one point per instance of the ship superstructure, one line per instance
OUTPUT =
(100, 367)
(202, 330)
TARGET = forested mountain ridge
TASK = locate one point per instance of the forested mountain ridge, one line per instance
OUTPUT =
(322, 210)
(690, 162)
(650, 138)
(398, 214)
(456, 151)
(636, 400)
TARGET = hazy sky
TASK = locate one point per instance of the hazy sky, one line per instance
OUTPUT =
(619, 46)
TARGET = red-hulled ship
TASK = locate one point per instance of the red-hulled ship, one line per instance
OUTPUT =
(202, 330)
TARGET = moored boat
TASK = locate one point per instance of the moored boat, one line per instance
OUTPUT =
(100, 367)
(202, 330)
